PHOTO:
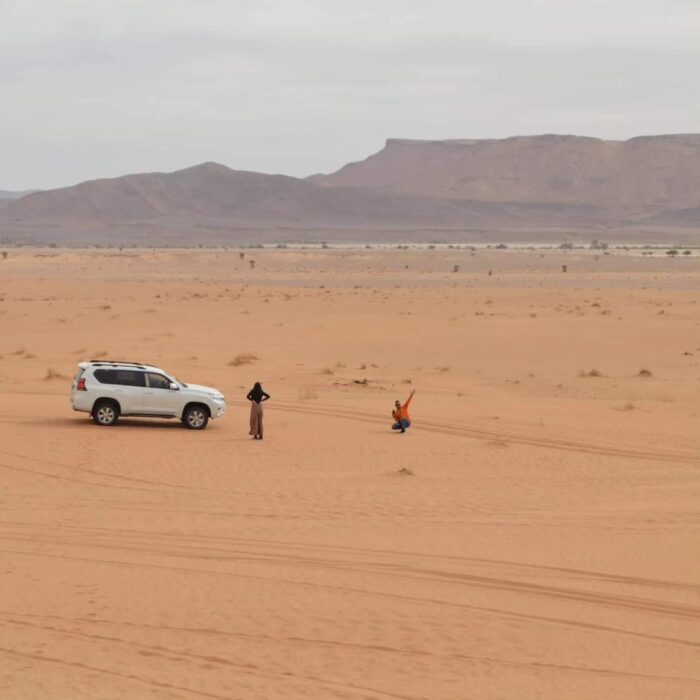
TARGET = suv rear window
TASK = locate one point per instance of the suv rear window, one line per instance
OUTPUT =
(123, 377)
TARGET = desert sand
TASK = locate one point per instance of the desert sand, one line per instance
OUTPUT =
(533, 536)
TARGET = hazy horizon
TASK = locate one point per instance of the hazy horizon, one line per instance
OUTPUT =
(93, 91)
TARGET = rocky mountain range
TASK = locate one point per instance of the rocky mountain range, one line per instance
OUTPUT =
(521, 188)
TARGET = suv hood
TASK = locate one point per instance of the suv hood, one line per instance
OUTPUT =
(199, 389)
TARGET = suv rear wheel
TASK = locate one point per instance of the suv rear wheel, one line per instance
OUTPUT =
(105, 413)
(196, 417)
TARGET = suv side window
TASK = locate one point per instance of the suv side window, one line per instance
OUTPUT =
(158, 381)
(106, 376)
(128, 377)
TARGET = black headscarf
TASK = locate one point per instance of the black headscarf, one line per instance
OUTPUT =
(256, 393)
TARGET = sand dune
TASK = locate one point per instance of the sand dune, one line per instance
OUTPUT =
(534, 535)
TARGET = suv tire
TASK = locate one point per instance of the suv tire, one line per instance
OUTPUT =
(105, 413)
(196, 417)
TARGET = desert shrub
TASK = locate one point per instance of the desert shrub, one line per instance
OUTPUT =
(307, 393)
(644, 372)
(243, 358)
(590, 373)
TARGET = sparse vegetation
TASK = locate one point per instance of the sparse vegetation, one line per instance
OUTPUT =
(244, 358)
(591, 373)
(51, 373)
(328, 371)
(644, 372)
(307, 393)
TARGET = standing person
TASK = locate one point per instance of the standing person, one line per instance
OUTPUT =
(256, 396)
(400, 414)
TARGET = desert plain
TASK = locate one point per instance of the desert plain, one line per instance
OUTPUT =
(534, 535)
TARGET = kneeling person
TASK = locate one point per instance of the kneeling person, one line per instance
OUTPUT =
(400, 414)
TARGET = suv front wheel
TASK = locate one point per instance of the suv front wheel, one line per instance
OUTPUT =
(105, 413)
(196, 417)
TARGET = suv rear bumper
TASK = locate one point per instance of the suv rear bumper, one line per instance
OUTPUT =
(81, 401)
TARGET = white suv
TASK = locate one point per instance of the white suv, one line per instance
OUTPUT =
(109, 389)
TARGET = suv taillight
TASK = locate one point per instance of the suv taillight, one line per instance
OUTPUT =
(81, 385)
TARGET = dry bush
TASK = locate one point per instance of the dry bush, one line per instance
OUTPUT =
(644, 373)
(443, 368)
(244, 358)
(594, 373)
(327, 370)
(307, 393)
(21, 351)
(405, 471)
(629, 406)
(51, 373)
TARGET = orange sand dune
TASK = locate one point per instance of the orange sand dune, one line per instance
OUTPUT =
(533, 536)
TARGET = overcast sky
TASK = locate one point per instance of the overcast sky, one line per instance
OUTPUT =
(97, 88)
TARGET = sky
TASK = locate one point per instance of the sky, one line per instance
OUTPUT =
(101, 88)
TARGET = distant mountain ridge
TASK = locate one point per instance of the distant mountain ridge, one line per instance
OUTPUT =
(413, 189)
(7, 196)
(645, 174)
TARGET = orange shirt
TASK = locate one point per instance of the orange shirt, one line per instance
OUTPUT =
(402, 412)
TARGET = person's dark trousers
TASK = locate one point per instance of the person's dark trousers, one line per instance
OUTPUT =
(401, 425)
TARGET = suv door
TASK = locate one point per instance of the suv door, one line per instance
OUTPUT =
(159, 398)
(129, 389)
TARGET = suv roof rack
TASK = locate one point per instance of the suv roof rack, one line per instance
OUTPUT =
(142, 365)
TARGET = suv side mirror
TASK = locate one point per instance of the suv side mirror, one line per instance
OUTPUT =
(173, 387)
